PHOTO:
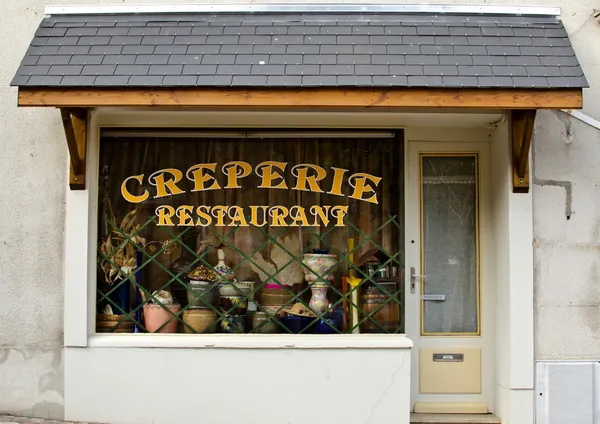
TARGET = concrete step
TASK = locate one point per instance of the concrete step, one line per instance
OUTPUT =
(454, 419)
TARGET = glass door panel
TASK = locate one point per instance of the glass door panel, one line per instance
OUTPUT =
(449, 244)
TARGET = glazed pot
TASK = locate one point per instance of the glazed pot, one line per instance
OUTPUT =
(234, 324)
(155, 316)
(235, 305)
(200, 320)
(319, 265)
(299, 324)
(233, 289)
(202, 294)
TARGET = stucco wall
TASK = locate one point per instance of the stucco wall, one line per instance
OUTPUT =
(33, 164)
(33, 160)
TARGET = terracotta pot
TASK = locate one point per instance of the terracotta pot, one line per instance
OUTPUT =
(155, 316)
(200, 320)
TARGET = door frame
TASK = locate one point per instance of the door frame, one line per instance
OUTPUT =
(485, 341)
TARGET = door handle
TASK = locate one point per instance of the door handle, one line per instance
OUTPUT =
(413, 278)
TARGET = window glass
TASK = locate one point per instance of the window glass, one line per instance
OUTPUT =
(203, 235)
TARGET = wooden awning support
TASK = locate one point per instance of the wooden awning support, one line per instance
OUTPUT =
(75, 123)
(522, 132)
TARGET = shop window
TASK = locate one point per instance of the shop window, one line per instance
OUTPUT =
(225, 233)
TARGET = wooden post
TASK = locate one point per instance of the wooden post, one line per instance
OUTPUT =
(75, 124)
(522, 132)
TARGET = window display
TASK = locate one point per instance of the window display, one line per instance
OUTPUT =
(200, 235)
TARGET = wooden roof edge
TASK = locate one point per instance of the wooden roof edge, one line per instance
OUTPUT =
(467, 98)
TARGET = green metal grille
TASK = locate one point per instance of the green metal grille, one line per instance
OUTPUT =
(130, 316)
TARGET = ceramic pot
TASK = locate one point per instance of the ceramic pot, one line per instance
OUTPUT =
(235, 305)
(233, 289)
(299, 324)
(264, 324)
(200, 320)
(202, 294)
(318, 265)
(234, 324)
(274, 296)
(373, 298)
(247, 285)
(155, 316)
(319, 302)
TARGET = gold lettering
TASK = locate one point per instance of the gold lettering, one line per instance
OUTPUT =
(265, 171)
(278, 213)
(317, 211)
(301, 173)
(131, 197)
(164, 213)
(299, 217)
(234, 171)
(338, 178)
(203, 215)
(254, 216)
(339, 212)
(166, 187)
(200, 178)
(219, 213)
(361, 187)
(238, 219)
(184, 215)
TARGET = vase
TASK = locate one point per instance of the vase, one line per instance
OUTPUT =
(225, 273)
(319, 302)
(318, 266)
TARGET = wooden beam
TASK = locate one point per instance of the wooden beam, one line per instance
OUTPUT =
(522, 132)
(304, 98)
(76, 132)
(78, 112)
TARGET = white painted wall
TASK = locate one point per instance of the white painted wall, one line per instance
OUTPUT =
(223, 386)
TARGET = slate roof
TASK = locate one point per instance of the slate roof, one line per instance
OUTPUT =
(300, 50)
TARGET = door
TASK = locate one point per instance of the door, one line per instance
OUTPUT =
(446, 302)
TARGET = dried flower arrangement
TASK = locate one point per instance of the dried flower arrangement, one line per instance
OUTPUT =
(120, 251)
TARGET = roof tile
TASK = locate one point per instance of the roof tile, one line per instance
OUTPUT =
(199, 70)
(98, 70)
(118, 59)
(459, 81)
(425, 81)
(509, 70)
(313, 50)
(112, 80)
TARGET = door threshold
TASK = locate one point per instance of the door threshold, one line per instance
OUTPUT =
(454, 419)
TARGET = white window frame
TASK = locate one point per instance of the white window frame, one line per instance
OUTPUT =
(82, 214)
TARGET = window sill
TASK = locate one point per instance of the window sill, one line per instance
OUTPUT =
(252, 341)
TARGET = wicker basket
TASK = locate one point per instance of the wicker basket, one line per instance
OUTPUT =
(113, 324)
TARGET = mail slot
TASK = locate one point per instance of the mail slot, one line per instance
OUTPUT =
(448, 357)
